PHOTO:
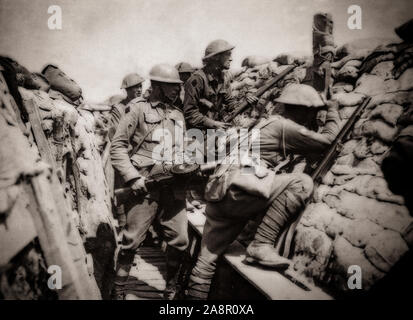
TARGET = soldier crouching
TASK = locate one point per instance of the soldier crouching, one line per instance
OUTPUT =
(237, 193)
(166, 206)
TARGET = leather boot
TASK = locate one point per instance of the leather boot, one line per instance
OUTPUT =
(173, 263)
(124, 264)
(266, 255)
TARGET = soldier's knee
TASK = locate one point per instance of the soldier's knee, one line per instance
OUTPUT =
(177, 239)
(302, 186)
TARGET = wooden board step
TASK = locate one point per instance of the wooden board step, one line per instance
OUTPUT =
(272, 284)
(149, 272)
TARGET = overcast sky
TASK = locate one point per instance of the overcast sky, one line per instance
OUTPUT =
(102, 40)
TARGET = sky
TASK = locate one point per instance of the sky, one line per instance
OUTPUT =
(103, 40)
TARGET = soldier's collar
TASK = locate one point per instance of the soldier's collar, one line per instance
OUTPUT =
(156, 103)
(213, 75)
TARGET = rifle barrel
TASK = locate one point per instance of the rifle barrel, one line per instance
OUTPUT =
(259, 93)
(343, 132)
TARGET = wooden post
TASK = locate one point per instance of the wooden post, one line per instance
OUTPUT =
(323, 51)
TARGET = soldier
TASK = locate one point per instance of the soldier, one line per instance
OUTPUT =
(236, 195)
(207, 91)
(165, 206)
(185, 71)
(132, 83)
(304, 110)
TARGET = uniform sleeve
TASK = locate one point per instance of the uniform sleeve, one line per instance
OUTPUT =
(120, 145)
(298, 139)
(116, 113)
(229, 99)
(193, 91)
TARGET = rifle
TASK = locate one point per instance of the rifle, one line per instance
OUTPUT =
(244, 105)
(286, 237)
(179, 174)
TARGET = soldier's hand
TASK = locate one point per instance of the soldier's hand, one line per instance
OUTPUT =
(221, 125)
(251, 99)
(138, 186)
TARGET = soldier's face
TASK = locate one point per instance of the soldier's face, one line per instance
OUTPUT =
(134, 91)
(171, 91)
(226, 59)
(302, 115)
(184, 76)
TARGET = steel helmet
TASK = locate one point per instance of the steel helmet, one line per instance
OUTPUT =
(164, 73)
(184, 67)
(216, 47)
(300, 94)
(131, 80)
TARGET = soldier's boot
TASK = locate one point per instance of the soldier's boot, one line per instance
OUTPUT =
(173, 263)
(261, 250)
(265, 254)
(124, 264)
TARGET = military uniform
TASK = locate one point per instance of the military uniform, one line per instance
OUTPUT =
(117, 112)
(215, 89)
(133, 155)
(236, 196)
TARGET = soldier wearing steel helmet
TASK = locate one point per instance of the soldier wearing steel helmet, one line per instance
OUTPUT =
(208, 91)
(133, 155)
(132, 83)
(236, 195)
(185, 71)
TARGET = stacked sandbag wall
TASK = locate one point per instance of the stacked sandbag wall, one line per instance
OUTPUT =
(76, 134)
(355, 220)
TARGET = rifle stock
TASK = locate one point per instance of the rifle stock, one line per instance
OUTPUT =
(154, 182)
(259, 93)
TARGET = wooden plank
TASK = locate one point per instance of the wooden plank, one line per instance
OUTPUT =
(48, 210)
(41, 140)
(17, 231)
(71, 235)
(197, 220)
(272, 284)
(50, 242)
(53, 239)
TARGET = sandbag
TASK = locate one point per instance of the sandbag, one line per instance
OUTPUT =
(349, 99)
(347, 74)
(378, 129)
(388, 112)
(284, 59)
(360, 47)
(59, 81)
(342, 87)
(17, 158)
(58, 95)
(404, 61)
(253, 61)
(40, 82)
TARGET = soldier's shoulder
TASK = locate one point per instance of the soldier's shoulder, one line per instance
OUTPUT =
(136, 104)
(197, 78)
(297, 128)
